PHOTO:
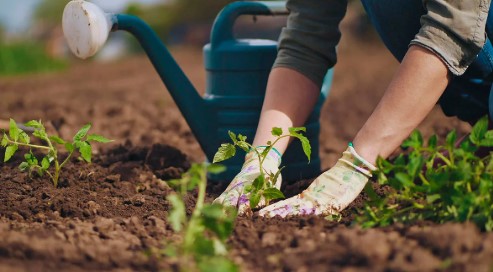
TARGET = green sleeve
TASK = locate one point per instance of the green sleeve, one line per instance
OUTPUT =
(454, 31)
(308, 43)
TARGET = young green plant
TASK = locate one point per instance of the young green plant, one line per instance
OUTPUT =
(203, 235)
(435, 182)
(264, 184)
(50, 144)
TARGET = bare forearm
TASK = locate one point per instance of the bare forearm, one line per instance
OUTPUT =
(290, 98)
(412, 93)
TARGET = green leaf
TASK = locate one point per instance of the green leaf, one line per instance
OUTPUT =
(82, 132)
(405, 179)
(258, 183)
(45, 163)
(24, 138)
(177, 215)
(415, 164)
(371, 192)
(218, 221)
(85, 150)
(296, 129)
(432, 142)
(276, 176)
(450, 139)
(57, 140)
(273, 193)
(34, 124)
(202, 247)
(488, 142)
(69, 146)
(98, 138)
(217, 264)
(232, 136)
(432, 198)
(489, 134)
(5, 141)
(216, 168)
(14, 131)
(24, 166)
(30, 158)
(254, 200)
(242, 138)
(224, 152)
(276, 131)
(479, 130)
(248, 188)
(219, 247)
(9, 152)
(40, 134)
(243, 145)
(305, 143)
(415, 140)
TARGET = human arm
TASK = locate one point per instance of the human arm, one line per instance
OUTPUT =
(307, 49)
(410, 96)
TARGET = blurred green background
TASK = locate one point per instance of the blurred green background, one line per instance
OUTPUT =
(31, 36)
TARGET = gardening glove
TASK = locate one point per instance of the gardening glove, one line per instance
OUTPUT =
(235, 194)
(331, 192)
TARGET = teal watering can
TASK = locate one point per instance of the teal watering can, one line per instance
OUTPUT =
(237, 72)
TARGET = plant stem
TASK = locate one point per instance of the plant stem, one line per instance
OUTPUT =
(194, 220)
(29, 145)
(441, 156)
(66, 159)
(272, 144)
(57, 164)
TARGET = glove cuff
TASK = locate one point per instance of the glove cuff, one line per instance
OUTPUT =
(351, 157)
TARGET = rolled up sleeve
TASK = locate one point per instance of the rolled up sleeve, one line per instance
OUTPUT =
(454, 30)
(308, 42)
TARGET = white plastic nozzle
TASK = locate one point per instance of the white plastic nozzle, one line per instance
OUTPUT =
(85, 27)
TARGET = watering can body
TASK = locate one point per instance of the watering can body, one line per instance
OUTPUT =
(237, 72)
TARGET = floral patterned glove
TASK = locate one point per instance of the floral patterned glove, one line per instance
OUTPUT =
(235, 195)
(331, 192)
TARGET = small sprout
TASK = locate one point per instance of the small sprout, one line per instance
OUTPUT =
(50, 145)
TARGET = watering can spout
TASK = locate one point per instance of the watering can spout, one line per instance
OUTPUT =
(86, 28)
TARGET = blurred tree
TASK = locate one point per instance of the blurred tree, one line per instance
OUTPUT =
(49, 12)
(2, 33)
(179, 16)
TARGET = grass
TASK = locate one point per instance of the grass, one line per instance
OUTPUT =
(25, 58)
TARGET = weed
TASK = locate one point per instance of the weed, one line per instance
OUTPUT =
(16, 137)
(262, 186)
(435, 182)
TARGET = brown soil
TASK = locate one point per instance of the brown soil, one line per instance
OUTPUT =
(105, 216)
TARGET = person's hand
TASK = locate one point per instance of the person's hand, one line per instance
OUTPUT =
(331, 192)
(235, 194)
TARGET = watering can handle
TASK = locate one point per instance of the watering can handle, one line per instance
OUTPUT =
(222, 30)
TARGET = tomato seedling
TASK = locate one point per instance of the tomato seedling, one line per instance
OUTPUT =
(263, 185)
(204, 233)
(17, 137)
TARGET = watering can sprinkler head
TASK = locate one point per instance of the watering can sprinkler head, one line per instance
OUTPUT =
(85, 27)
